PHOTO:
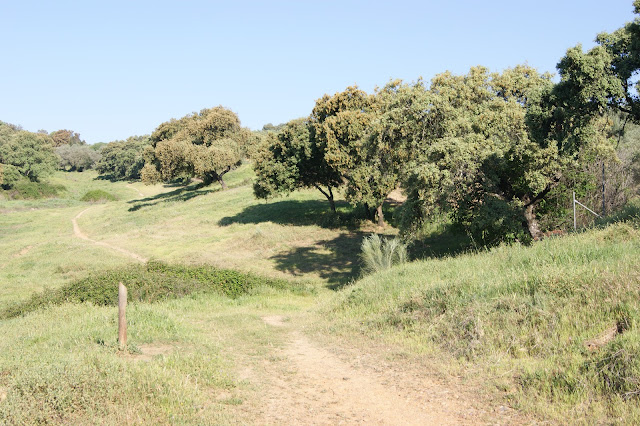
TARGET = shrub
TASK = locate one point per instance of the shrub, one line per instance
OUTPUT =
(151, 282)
(25, 189)
(382, 253)
(97, 195)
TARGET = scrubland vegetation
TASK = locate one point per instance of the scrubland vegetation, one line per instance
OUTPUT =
(475, 267)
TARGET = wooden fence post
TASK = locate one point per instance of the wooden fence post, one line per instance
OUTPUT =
(122, 316)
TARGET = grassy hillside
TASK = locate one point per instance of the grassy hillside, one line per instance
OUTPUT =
(282, 238)
(554, 326)
(550, 329)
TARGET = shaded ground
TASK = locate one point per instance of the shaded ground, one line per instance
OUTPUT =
(184, 193)
(334, 260)
(296, 212)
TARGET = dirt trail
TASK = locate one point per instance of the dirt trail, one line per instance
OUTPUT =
(305, 383)
(135, 189)
(78, 233)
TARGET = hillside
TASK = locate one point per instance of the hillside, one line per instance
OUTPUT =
(554, 326)
(510, 335)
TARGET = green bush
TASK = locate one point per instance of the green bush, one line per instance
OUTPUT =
(24, 189)
(152, 282)
(97, 195)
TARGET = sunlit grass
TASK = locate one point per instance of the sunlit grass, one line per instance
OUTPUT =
(524, 315)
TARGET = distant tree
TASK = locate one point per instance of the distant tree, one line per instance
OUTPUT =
(77, 157)
(206, 145)
(271, 128)
(289, 160)
(66, 137)
(31, 154)
(123, 160)
(98, 146)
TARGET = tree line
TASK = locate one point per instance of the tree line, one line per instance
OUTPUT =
(496, 152)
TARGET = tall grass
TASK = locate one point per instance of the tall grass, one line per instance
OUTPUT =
(555, 324)
(378, 254)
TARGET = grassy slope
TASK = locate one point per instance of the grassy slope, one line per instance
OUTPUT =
(280, 238)
(62, 365)
(516, 316)
(522, 316)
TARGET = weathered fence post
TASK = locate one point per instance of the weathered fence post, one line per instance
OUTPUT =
(575, 201)
(122, 316)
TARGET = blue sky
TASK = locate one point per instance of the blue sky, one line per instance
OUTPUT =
(113, 69)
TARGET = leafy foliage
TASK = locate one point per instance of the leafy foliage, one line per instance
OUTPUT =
(29, 154)
(123, 160)
(205, 145)
(290, 160)
(471, 154)
(24, 189)
(66, 137)
(97, 195)
(77, 157)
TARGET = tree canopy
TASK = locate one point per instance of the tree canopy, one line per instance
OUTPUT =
(205, 145)
(25, 154)
(290, 160)
(123, 160)
(76, 157)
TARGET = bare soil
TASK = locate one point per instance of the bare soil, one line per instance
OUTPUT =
(78, 233)
(304, 382)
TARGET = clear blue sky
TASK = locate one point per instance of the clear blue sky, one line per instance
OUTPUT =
(112, 69)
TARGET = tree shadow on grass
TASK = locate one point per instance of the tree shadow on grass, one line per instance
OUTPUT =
(295, 212)
(183, 193)
(335, 260)
(446, 243)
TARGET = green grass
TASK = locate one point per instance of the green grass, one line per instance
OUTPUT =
(516, 318)
(97, 195)
(226, 229)
(61, 365)
(523, 315)
(151, 282)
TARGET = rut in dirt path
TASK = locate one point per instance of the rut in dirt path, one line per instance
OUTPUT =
(78, 233)
(315, 385)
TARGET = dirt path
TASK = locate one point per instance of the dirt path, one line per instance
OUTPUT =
(78, 233)
(305, 383)
(135, 189)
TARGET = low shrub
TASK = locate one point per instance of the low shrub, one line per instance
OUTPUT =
(152, 282)
(25, 189)
(97, 195)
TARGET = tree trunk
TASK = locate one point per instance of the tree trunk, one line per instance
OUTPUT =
(532, 222)
(222, 183)
(329, 195)
(332, 202)
(380, 215)
(219, 177)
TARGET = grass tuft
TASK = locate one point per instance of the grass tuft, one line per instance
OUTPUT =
(379, 254)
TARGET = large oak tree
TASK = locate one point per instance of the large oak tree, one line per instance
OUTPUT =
(205, 145)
